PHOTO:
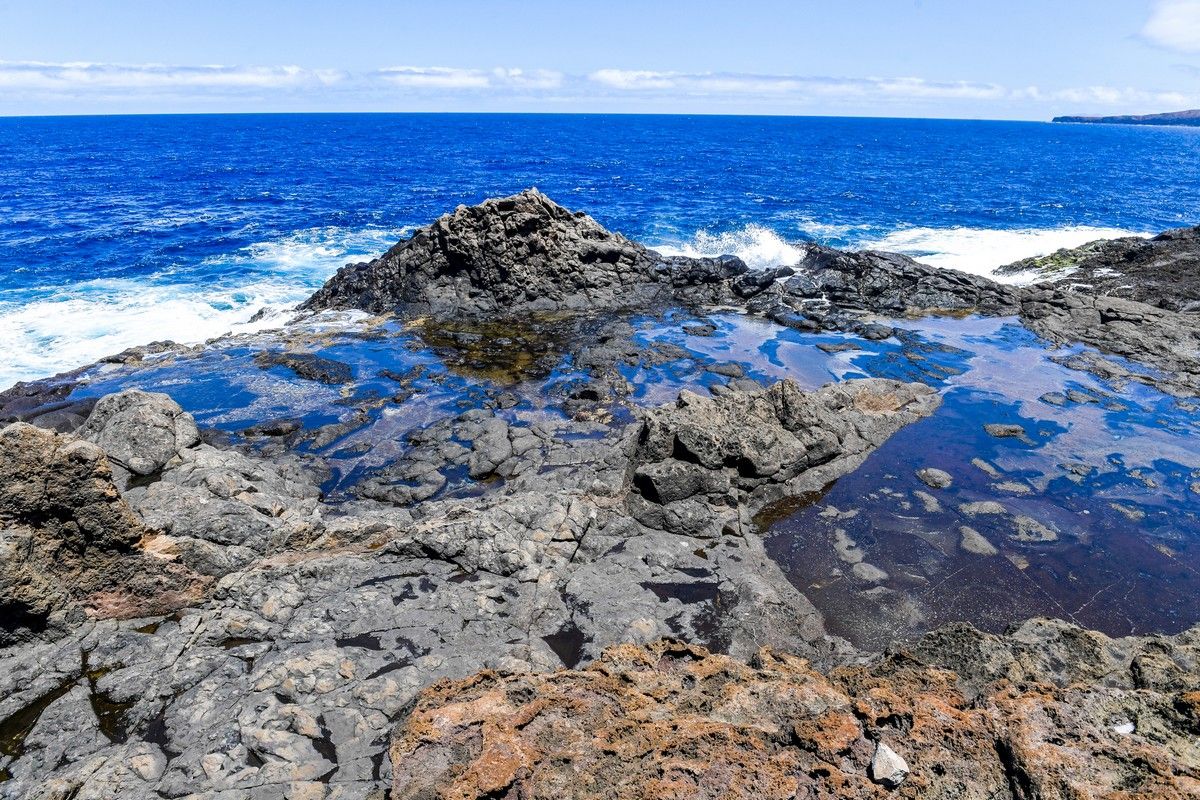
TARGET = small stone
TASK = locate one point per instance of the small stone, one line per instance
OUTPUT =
(729, 369)
(847, 549)
(932, 506)
(838, 347)
(1131, 513)
(1013, 487)
(1054, 398)
(935, 478)
(982, 507)
(991, 470)
(869, 572)
(1030, 530)
(1195, 487)
(1001, 431)
(974, 542)
(888, 767)
(1124, 728)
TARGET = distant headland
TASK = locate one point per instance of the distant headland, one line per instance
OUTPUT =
(1173, 118)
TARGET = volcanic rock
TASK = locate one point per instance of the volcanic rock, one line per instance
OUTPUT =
(1161, 271)
(671, 719)
(70, 541)
(519, 254)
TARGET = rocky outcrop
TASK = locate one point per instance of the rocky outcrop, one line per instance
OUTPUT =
(70, 541)
(1049, 711)
(139, 431)
(1141, 333)
(832, 281)
(516, 255)
(706, 465)
(491, 511)
(1161, 271)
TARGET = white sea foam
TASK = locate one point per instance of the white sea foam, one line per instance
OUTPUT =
(981, 250)
(86, 321)
(759, 247)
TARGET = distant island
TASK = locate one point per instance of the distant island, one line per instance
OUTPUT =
(1174, 118)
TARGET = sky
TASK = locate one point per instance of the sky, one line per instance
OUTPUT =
(986, 59)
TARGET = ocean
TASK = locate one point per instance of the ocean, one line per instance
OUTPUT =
(117, 231)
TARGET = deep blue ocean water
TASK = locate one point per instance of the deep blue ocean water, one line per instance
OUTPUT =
(116, 231)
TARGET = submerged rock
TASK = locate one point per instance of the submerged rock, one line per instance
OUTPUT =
(706, 465)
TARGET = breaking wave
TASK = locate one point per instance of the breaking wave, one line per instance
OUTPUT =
(82, 322)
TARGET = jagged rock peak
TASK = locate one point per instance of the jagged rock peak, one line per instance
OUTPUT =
(519, 254)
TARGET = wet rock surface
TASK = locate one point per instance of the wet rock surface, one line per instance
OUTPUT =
(235, 567)
(1047, 711)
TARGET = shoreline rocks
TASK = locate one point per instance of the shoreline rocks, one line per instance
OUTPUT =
(199, 619)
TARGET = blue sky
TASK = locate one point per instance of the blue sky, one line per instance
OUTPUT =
(1020, 59)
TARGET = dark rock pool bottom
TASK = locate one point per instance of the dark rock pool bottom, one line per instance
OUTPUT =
(1036, 489)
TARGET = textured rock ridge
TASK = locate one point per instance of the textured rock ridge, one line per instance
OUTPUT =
(519, 254)
(1162, 271)
(1114, 718)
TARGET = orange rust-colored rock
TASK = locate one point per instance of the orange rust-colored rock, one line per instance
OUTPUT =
(673, 721)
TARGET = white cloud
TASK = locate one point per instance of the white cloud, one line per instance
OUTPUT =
(75, 77)
(24, 84)
(453, 78)
(634, 79)
(798, 86)
(1175, 25)
(1127, 97)
(435, 77)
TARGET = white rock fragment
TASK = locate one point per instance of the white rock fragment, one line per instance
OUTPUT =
(1125, 728)
(887, 767)
(1030, 530)
(847, 549)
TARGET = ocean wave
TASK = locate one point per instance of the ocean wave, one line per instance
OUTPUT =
(981, 250)
(82, 322)
(759, 247)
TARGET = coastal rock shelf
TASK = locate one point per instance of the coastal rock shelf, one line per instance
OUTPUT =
(517, 440)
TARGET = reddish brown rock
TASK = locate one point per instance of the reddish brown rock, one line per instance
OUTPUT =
(674, 721)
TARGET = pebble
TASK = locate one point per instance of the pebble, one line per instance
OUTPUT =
(1030, 530)
(990, 469)
(869, 572)
(974, 542)
(935, 478)
(888, 767)
(1001, 431)
(982, 507)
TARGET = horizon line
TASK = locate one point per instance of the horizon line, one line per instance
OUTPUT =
(68, 115)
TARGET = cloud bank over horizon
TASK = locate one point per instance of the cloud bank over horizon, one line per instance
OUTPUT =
(94, 87)
(933, 58)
